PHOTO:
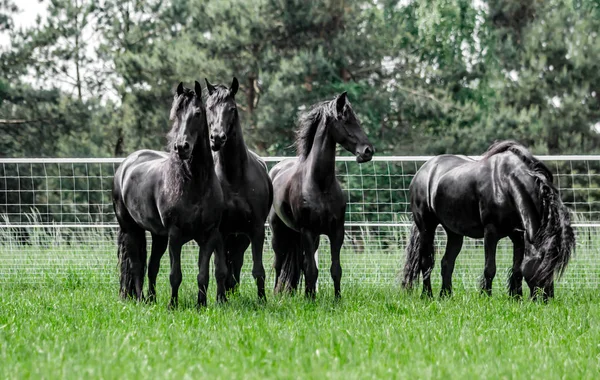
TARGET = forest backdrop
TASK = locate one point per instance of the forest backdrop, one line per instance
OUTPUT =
(95, 78)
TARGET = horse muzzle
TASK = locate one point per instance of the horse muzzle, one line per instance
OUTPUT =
(364, 153)
(217, 141)
(184, 150)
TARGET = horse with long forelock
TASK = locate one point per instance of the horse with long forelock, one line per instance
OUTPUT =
(308, 200)
(246, 185)
(508, 193)
(177, 197)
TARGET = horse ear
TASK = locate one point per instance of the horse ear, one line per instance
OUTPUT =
(180, 89)
(234, 86)
(198, 89)
(209, 87)
(340, 102)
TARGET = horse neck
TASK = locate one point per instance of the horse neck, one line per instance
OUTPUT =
(233, 156)
(321, 158)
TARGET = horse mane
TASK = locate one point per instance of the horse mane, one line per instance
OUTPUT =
(308, 123)
(524, 155)
(554, 239)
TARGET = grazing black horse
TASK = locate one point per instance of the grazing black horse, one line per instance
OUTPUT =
(177, 197)
(246, 185)
(508, 193)
(308, 200)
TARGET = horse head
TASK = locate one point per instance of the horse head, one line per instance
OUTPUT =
(348, 132)
(222, 112)
(189, 120)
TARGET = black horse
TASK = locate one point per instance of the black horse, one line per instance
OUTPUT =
(246, 185)
(177, 197)
(508, 193)
(308, 200)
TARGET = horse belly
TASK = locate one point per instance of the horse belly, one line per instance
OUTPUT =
(459, 215)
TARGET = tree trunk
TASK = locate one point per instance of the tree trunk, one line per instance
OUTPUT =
(553, 140)
(78, 78)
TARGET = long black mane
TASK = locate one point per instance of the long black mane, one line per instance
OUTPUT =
(555, 238)
(309, 122)
(520, 151)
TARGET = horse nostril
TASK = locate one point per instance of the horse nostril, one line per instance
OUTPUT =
(368, 150)
(186, 146)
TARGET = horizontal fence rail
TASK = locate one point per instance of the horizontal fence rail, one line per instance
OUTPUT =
(57, 219)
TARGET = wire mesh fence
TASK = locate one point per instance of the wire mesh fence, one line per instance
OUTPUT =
(58, 221)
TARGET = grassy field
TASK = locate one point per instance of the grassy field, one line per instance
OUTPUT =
(60, 317)
(73, 328)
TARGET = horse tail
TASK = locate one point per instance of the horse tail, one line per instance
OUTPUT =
(412, 262)
(126, 279)
(554, 239)
(291, 270)
(132, 257)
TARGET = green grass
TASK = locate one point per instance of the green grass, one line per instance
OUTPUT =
(75, 328)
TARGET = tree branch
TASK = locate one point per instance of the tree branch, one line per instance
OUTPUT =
(18, 121)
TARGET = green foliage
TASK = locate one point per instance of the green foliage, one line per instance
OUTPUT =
(424, 77)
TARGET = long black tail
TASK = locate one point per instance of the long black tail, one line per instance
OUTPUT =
(291, 270)
(126, 288)
(131, 256)
(554, 239)
(412, 267)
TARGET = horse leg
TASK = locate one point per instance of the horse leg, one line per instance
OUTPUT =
(175, 276)
(159, 245)
(213, 242)
(453, 247)
(258, 269)
(235, 247)
(427, 259)
(549, 291)
(490, 242)
(311, 273)
(515, 281)
(336, 240)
